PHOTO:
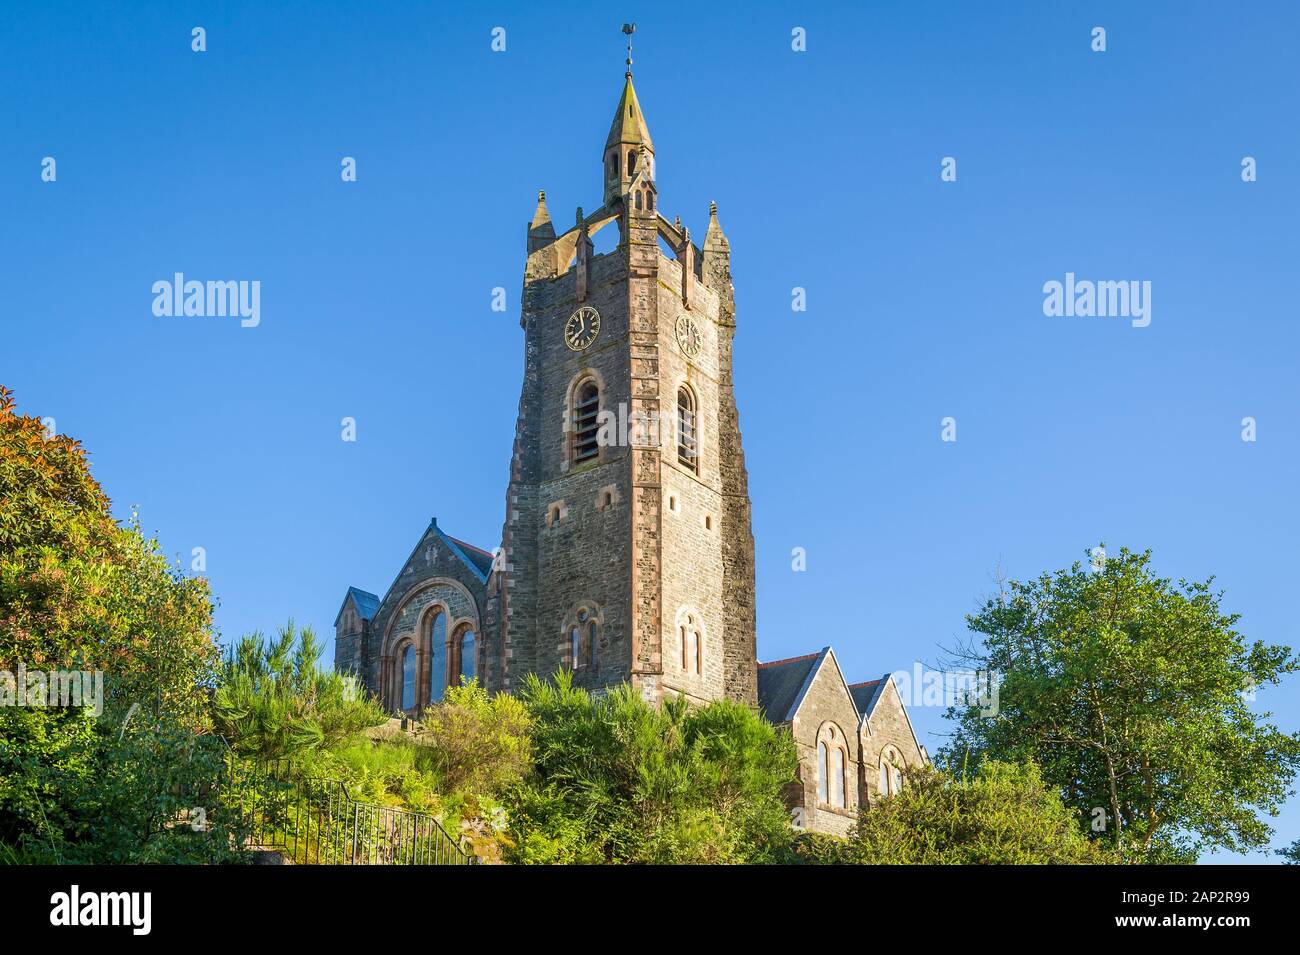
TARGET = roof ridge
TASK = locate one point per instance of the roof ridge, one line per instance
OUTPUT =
(806, 656)
(485, 553)
(863, 683)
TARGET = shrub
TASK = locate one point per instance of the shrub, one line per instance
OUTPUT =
(1003, 814)
(618, 780)
(478, 743)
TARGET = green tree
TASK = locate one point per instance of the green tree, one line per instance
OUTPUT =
(618, 780)
(80, 592)
(1129, 691)
(1003, 814)
(276, 701)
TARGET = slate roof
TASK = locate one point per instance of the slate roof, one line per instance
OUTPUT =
(865, 695)
(781, 685)
(367, 603)
(476, 557)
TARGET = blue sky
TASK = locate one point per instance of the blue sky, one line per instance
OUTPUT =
(924, 297)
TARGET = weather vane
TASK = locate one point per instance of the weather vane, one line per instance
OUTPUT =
(629, 29)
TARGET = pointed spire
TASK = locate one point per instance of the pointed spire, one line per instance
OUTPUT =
(542, 216)
(629, 125)
(714, 239)
(540, 231)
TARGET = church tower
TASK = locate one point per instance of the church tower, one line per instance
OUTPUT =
(627, 549)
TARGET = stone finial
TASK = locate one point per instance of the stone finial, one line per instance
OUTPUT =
(580, 217)
(714, 239)
(542, 216)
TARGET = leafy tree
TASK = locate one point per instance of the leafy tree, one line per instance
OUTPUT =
(276, 701)
(80, 592)
(1129, 692)
(618, 780)
(1003, 815)
(1291, 853)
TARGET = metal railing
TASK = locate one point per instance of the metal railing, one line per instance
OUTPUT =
(314, 822)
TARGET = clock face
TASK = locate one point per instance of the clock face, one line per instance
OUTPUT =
(688, 336)
(582, 328)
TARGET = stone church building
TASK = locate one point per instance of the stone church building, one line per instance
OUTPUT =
(626, 553)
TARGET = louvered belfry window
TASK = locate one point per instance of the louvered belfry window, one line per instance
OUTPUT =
(586, 407)
(687, 452)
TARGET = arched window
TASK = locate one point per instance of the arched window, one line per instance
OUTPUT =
(437, 656)
(468, 656)
(586, 413)
(822, 774)
(650, 201)
(687, 446)
(833, 762)
(408, 677)
(638, 198)
(631, 165)
(692, 644)
(582, 640)
(891, 776)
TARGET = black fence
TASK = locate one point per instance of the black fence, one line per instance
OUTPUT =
(313, 822)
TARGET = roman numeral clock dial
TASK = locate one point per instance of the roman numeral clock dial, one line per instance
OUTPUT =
(688, 336)
(582, 328)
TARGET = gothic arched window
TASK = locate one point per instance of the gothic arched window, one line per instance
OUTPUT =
(631, 166)
(832, 766)
(837, 781)
(468, 651)
(692, 644)
(891, 776)
(408, 678)
(586, 414)
(823, 774)
(687, 442)
(437, 656)
(582, 640)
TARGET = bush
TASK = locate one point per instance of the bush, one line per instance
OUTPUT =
(1003, 814)
(618, 780)
(478, 743)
